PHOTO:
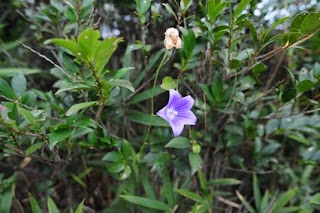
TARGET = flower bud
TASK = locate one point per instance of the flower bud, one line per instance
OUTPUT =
(172, 39)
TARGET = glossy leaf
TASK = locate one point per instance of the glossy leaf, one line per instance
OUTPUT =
(224, 181)
(146, 202)
(122, 83)
(142, 118)
(19, 84)
(89, 43)
(195, 162)
(52, 208)
(12, 71)
(80, 207)
(178, 143)
(6, 90)
(35, 208)
(33, 148)
(191, 195)
(75, 108)
(104, 52)
(311, 23)
(241, 7)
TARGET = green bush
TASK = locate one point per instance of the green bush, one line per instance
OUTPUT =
(86, 123)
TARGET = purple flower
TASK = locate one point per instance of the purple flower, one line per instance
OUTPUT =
(178, 112)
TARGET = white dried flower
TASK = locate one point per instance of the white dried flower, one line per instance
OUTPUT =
(172, 39)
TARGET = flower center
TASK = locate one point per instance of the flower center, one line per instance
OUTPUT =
(171, 113)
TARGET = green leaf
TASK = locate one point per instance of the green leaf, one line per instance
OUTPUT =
(191, 195)
(80, 207)
(89, 43)
(264, 202)
(146, 95)
(241, 7)
(245, 203)
(105, 51)
(27, 115)
(168, 188)
(146, 202)
(253, 32)
(161, 162)
(217, 86)
(87, 3)
(86, 11)
(35, 208)
(122, 83)
(19, 84)
(69, 86)
(6, 201)
(75, 108)
(195, 161)
(304, 86)
(33, 148)
(170, 10)
(70, 14)
(12, 71)
(234, 63)
(122, 71)
(78, 180)
(315, 199)
(256, 191)
(215, 10)
(203, 181)
(189, 42)
(289, 94)
(112, 156)
(126, 172)
(205, 88)
(259, 68)
(274, 25)
(283, 200)
(270, 149)
(147, 186)
(143, 6)
(224, 182)
(142, 118)
(297, 21)
(178, 143)
(70, 45)
(116, 167)
(168, 83)
(6, 90)
(296, 26)
(311, 23)
(52, 206)
(58, 136)
(299, 138)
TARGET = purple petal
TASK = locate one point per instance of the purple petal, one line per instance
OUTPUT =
(163, 113)
(173, 97)
(183, 104)
(186, 117)
(177, 127)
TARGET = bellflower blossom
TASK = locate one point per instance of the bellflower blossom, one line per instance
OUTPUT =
(178, 112)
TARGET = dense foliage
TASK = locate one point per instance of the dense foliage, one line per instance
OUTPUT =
(81, 82)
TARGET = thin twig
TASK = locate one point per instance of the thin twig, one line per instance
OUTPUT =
(46, 58)
(273, 53)
(29, 108)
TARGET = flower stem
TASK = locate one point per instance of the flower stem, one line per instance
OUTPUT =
(152, 104)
